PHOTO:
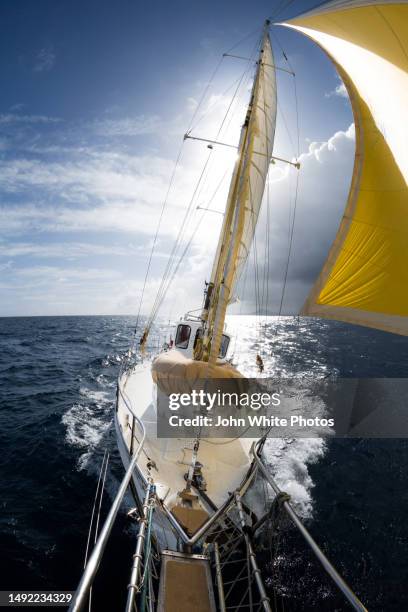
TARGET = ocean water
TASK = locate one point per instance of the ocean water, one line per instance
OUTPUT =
(58, 378)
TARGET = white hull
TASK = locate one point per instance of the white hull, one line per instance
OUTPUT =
(225, 461)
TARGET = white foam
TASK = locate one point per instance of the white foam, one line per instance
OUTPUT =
(99, 397)
(85, 428)
(289, 460)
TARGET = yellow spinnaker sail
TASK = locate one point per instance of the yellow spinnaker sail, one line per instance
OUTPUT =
(365, 277)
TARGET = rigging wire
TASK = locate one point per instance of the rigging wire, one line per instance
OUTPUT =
(213, 75)
(163, 287)
(244, 283)
(187, 247)
(256, 271)
(166, 199)
(250, 60)
(266, 266)
(173, 266)
(280, 7)
(97, 519)
(98, 495)
(296, 149)
(292, 229)
(267, 232)
(196, 193)
(94, 508)
(275, 36)
(155, 241)
(268, 240)
(200, 182)
(212, 106)
(170, 270)
(292, 217)
(285, 124)
(100, 498)
(257, 31)
(209, 83)
(264, 302)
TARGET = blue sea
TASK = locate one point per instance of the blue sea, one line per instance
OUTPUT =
(58, 377)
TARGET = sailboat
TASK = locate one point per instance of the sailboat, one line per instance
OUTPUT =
(191, 495)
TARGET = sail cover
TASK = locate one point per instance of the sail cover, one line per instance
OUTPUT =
(365, 277)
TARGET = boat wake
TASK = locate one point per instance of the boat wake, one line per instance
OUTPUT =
(288, 460)
(87, 425)
(282, 348)
(89, 421)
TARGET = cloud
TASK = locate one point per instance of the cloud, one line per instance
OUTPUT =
(6, 266)
(128, 126)
(66, 250)
(340, 90)
(63, 274)
(98, 175)
(324, 181)
(4, 143)
(13, 118)
(191, 104)
(94, 191)
(44, 60)
(39, 290)
(114, 192)
(54, 290)
(19, 106)
(80, 204)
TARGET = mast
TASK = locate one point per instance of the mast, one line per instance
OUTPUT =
(247, 185)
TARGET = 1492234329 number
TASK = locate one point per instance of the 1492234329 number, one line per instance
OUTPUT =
(35, 598)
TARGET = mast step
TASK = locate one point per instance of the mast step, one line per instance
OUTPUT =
(185, 583)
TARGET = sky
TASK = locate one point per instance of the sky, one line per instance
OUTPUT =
(95, 99)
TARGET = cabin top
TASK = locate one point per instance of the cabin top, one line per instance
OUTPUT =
(188, 331)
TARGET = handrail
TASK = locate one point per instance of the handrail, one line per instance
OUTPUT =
(218, 574)
(137, 557)
(334, 575)
(94, 560)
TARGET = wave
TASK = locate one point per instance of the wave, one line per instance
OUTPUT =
(288, 460)
(88, 422)
(274, 340)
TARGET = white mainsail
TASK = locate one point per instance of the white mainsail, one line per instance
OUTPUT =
(244, 198)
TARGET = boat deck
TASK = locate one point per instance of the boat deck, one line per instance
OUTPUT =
(191, 519)
(224, 461)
